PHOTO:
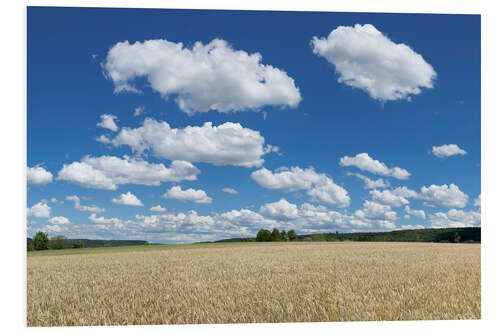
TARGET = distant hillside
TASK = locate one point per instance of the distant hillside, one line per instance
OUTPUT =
(101, 242)
(469, 235)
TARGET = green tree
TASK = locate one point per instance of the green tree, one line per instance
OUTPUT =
(275, 235)
(263, 235)
(457, 238)
(29, 248)
(284, 236)
(41, 241)
(317, 237)
(292, 236)
(78, 244)
(58, 242)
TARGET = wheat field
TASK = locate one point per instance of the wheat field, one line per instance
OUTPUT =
(255, 282)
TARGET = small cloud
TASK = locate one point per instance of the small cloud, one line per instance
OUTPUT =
(38, 176)
(127, 199)
(229, 190)
(139, 110)
(108, 122)
(446, 151)
(103, 139)
(198, 196)
(158, 209)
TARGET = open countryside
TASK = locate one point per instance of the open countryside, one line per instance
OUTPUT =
(254, 282)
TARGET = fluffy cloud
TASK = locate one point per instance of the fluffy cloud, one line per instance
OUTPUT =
(103, 139)
(41, 210)
(52, 229)
(376, 211)
(364, 162)
(38, 176)
(190, 226)
(229, 190)
(412, 227)
(157, 209)
(116, 222)
(455, 219)
(127, 199)
(81, 207)
(443, 196)
(198, 196)
(59, 220)
(405, 192)
(417, 213)
(319, 186)
(368, 60)
(369, 183)
(445, 151)
(386, 197)
(205, 77)
(138, 111)
(108, 122)
(280, 210)
(107, 172)
(226, 144)
(477, 202)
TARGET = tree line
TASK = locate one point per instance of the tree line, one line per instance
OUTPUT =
(436, 235)
(265, 235)
(41, 241)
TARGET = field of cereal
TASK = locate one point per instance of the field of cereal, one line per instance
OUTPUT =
(254, 282)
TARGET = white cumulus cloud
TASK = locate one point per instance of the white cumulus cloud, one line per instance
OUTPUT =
(376, 211)
(138, 110)
(108, 122)
(226, 144)
(198, 196)
(281, 210)
(455, 219)
(318, 185)
(415, 212)
(38, 176)
(158, 209)
(229, 190)
(366, 59)
(477, 202)
(59, 220)
(405, 192)
(103, 139)
(107, 172)
(127, 199)
(205, 77)
(445, 151)
(364, 162)
(79, 206)
(41, 210)
(370, 183)
(386, 197)
(443, 196)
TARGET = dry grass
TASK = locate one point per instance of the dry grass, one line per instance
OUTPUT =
(244, 283)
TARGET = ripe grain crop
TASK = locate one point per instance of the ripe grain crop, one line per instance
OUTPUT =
(256, 282)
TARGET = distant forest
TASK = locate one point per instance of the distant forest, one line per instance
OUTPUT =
(97, 242)
(445, 235)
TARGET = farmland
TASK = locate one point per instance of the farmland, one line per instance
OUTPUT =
(254, 282)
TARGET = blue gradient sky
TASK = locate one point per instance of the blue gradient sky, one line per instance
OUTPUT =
(67, 93)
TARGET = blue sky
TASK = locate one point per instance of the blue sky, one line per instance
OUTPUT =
(385, 91)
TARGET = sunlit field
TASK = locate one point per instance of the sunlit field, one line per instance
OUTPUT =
(254, 282)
